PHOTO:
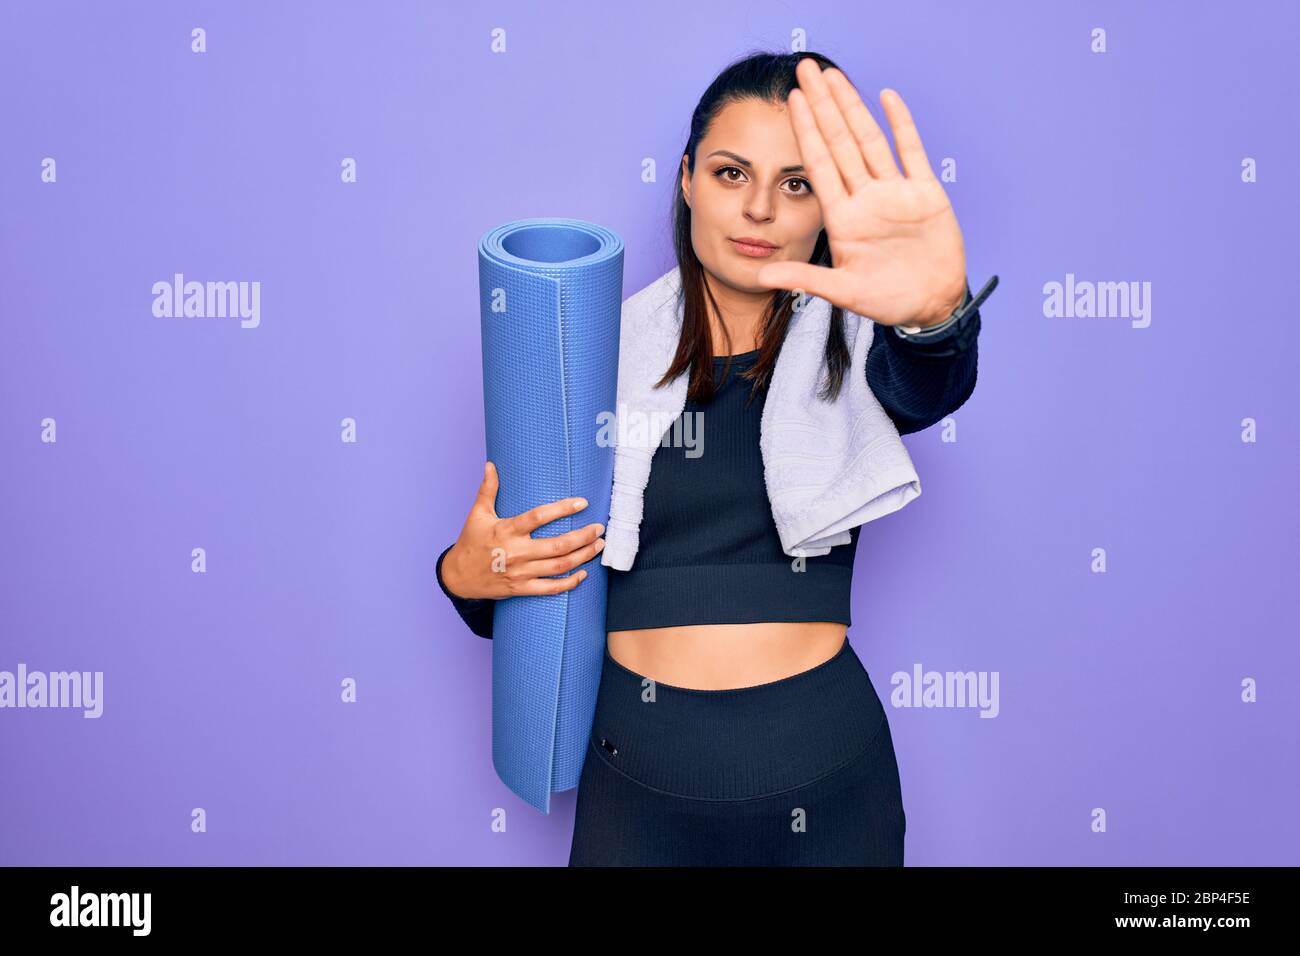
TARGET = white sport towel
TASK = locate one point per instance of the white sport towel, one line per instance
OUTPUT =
(828, 466)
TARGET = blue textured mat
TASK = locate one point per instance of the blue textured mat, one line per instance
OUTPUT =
(550, 294)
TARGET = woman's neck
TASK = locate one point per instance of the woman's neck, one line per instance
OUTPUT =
(741, 315)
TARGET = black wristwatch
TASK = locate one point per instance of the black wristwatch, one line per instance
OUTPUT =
(971, 304)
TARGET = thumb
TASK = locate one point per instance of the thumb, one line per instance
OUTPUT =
(487, 489)
(821, 281)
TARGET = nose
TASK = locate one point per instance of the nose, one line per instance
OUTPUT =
(758, 206)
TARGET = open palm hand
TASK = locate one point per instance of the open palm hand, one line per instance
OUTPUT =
(895, 243)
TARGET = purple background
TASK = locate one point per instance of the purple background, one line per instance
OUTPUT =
(1118, 690)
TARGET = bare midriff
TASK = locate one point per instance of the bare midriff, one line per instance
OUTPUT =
(725, 656)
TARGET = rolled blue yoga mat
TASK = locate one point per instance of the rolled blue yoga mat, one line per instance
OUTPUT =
(550, 294)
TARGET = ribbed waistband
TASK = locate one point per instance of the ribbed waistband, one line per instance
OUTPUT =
(728, 594)
(738, 743)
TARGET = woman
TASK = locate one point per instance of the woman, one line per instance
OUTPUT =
(734, 723)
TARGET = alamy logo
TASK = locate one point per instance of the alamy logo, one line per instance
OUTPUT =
(56, 689)
(644, 429)
(102, 909)
(208, 300)
(1104, 300)
(946, 689)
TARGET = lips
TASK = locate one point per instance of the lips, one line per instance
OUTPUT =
(753, 246)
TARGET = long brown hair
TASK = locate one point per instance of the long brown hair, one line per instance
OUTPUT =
(770, 77)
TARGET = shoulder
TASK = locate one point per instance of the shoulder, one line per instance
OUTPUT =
(654, 302)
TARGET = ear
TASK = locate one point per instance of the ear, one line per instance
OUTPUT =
(686, 180)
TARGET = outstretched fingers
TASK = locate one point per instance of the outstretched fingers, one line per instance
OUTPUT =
(828, 118)
(817, 159)
(870, 137)
(906, 136)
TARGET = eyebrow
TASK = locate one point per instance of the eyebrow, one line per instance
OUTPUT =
(748, 165)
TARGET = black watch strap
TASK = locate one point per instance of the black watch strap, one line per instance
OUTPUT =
(972, 304)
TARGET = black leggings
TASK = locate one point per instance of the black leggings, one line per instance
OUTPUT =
(796, 772)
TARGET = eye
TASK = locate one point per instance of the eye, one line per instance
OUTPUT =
(722, 173)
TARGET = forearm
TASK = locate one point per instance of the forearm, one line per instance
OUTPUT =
(920, 381)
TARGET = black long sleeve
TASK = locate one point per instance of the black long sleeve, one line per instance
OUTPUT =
(477, 613)
(920, 382)
(917, 382)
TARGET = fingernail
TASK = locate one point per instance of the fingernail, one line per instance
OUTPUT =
(600, 544)
(580, 504)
